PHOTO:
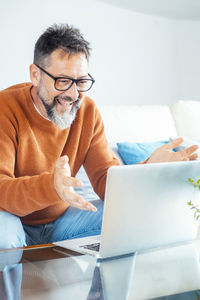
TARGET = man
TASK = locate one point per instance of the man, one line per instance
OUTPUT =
(48, 129)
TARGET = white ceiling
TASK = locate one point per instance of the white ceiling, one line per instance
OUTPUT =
(175, 9)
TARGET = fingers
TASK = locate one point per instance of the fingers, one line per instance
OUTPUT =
(173, 144)
(71, 182)
(62, 162)
(189, 152)
(64, 183)
(62, 173)
(62, 166)
(77, 201)
(193, 156)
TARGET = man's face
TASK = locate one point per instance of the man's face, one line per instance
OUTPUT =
(61, 106)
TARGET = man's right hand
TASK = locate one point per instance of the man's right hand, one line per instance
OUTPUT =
(64, 183)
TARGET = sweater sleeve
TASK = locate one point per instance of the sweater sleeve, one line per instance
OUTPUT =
(99, 157)
(21, 195)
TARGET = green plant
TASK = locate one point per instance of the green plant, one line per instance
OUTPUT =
(196, 208)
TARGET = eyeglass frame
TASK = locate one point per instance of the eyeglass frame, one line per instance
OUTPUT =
(65, 77)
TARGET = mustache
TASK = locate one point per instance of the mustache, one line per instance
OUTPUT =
(67, 98)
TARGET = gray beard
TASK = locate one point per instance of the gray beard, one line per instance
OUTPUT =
(65, 120)
(62, 121)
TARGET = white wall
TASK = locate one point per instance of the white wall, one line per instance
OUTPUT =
(188, 60)
(136, 58)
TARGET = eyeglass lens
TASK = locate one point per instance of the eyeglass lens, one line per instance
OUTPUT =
(66, 83)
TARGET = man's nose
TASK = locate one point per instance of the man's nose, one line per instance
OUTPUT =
(73, 92)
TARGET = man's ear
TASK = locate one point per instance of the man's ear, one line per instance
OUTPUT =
(34, 75)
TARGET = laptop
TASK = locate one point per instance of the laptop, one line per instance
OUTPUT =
(145, 207)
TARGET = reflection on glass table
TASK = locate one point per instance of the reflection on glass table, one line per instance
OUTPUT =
(171, 273)
(166, 272)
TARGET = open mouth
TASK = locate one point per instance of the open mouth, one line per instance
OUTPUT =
(64, 104)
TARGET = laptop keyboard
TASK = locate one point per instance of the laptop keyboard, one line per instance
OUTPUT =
(93, 247)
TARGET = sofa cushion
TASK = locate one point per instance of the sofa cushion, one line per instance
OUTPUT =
(132, 153)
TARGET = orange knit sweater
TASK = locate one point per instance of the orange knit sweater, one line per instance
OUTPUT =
(30, 146)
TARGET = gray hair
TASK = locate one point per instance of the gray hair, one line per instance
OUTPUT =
(64, 37)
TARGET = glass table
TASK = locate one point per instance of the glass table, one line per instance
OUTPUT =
(52, 272)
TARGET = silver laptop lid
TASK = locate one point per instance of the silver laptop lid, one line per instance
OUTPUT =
(146, 206)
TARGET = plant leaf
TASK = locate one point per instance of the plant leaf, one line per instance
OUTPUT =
(191, 180)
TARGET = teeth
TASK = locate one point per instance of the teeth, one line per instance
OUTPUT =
(63, 102)
(66, 106)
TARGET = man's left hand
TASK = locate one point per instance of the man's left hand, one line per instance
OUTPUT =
(165, 153)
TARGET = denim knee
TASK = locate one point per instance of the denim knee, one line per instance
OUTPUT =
(11, 231)
(76, 223)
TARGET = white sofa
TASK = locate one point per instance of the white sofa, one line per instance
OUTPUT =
(147, 123)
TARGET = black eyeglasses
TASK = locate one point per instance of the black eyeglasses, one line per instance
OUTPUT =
(65, 83)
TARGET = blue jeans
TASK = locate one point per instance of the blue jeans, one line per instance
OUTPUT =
(74, 223)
